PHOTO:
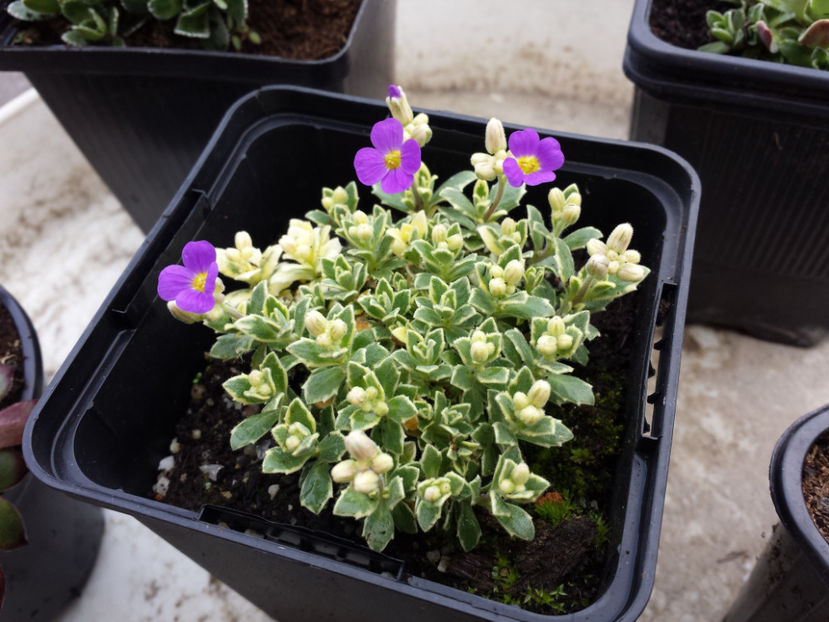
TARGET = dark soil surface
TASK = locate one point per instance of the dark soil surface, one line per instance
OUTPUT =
(562, 555)
(11, 353)
(816, 484)
(682, 22)
(295, 29)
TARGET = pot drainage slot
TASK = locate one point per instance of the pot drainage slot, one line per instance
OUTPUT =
(304, 539)
(657, 367)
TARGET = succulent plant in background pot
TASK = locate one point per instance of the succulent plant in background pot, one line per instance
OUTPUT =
(396, 405)
(141, 114)
(755, 130)
(48, 541)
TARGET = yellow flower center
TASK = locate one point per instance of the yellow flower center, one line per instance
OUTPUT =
(199, 281)
(529, 164)
(392, 159)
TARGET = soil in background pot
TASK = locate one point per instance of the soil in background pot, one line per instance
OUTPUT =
(11, 353)
(682, 22)
(294, 29)
(558, 572)
(816, 483)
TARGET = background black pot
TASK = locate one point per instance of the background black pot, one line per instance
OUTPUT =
(142, 116)
(791, 578)
(108, 418)
(63, 534)
(758, 134)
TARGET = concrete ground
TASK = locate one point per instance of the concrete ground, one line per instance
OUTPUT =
(64, 239)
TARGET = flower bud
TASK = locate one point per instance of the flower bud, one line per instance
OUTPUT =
(315, 322)
(530, 415)
(631, 272)
(570, 214)
(556, 199)
(596, 247)
(496, 140)
(564, 342)
(597, 266)
(303, 252)
(327, 203)
(360, 218)
(631, 256)
(340, 195)
(478, 335)
(422, 134)
(360, 446)
(514, 271)
(496, 272)
(520, 400)
(507, 226)
(338, 328)
(620, 238)
(431, 494)
(256, 378)
(291, 443)
(547, 345)
(344, 471)
(381, 408)
(439, 233)
(288, 245)
(420, 224)
(399, 105)
(356, 396)
(574, 198)
(539, 393)
(371, 393)
(242, 240)
(381, 463)
(506, 486)
(555, 326)
(484, 165)
(324, 340)
(188, 317)
(520, 474)
(363, 232)
(455, 242)
(497, 287)
(445, 488)
(479, 352)
(365, 482)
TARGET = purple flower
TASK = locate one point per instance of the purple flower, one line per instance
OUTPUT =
(394, 91)
(192, 284)
(391, 162)
(533, 160)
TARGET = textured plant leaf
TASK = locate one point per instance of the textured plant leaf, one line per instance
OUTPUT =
(354, 504)
(252, 428)
(49, 7)
(12, 532)
(20, 11)
(317, 487)
(378, 528)
(323, 384)
(12, 421)
(164, 9)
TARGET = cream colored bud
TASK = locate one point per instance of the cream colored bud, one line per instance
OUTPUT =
(256, 378)
(555, 326)
(242, 240)
(363, 232)
(366, 482)
(564, 342)
(597, 266)
(360, 218)
(530, 415)
(631, 256)
(315, 322)
(547, 345)
(497, 287)
(399, 107)
(344, 471)
(507, 226)
(556, 199)
(455, 242)
(485, 169)
(360, 446)
(297, 429)
(574, 198)
(439, 233)
(381, 408)
(570, 214)
(371, 393)
(496, 139)
(291, 443)
(506, 486)
(514, 272)
(181, 315)
(479, 352)
(340, 195)
(356, 396)
(327, 203)
(422, 134)
(520, 400)
(539, 393)
(478, 335)
(303, 252)
(445, 488)
(613, 267)
(288, 245)
(382, 463)
(324, 340)
(520, 474)
(631, 272)
(421, 224)
(338, 328)
(431, 494)
(620, 238)
(596, 247)
(496, 272)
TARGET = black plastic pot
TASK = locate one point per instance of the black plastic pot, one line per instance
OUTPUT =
(109, 416)
(142, 116)
(758, 135)
(63, 533)
(791, 578)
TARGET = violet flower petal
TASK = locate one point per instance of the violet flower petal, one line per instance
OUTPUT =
(369, 165)
(549, 154)
(410, 156)
(198, 256)
(172, 280)
(397, 180)
(523, 142)
(210, 280)
(515, 176)
(539, 177)
(194, 301)
(387, 135)
(394, 91)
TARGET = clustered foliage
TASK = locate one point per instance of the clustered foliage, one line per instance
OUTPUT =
(792, 31)
(428, 349)
(217, 23)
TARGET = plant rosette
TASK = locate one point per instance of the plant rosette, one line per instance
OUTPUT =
(403, 358)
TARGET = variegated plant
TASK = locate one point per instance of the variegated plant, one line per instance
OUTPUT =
(404, 355)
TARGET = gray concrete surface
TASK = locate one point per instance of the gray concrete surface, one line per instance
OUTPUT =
(555, 64)
(12, 84)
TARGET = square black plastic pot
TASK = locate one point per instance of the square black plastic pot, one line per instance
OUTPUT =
(110, 414)
(790, 580)
(142, 116)
(758, 135)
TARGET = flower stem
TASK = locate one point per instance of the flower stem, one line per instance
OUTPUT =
(418, 200)
(499, 194)
(231, 311)
(588, 281)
